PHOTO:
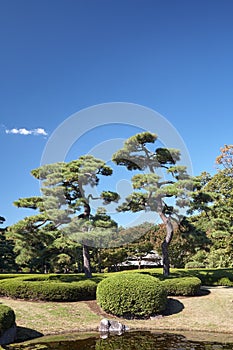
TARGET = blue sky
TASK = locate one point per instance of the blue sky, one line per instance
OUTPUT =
(59, 57)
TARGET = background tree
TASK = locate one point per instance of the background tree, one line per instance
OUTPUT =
(64, 255)
(130, 242)
(151, 190)
(112, 257)
(7, 257)
(212, 207)
(32, 239)
(220, 219)
(225, 159)
(187, 241)
(98, 233)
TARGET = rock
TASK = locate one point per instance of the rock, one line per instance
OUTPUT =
(107, 326)
(156, 317)
(116, 326)
(104, 325)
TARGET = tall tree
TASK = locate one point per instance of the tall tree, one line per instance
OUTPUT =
(151, 191)
(220, 219)
(212, 205)
(7, 255)
(65, 194)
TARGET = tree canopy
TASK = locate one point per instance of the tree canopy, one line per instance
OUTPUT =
(212, 210)
(66, 235)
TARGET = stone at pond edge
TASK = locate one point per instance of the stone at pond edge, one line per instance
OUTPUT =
(8, 336)
(111, 326)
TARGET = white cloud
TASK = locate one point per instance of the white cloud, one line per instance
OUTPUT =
(41, 131)
(24, 131)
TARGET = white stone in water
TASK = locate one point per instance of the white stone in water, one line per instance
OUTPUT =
(104, 325)
(112, 326)
(116, 326)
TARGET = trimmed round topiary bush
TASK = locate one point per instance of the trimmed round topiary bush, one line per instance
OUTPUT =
(48, 289)
(131, 295)
(186, 286)
(7, 318)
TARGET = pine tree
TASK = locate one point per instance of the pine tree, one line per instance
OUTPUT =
(151, 191)
(64, 197)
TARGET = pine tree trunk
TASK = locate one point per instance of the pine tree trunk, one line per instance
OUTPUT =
(99, 260)
(165, 246)
(165, 257)
(86, 262)
(139, 263)
(86, 255)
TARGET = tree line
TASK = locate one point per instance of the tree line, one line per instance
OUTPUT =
(64, 235)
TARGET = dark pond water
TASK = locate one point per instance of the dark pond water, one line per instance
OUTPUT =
(128, 341)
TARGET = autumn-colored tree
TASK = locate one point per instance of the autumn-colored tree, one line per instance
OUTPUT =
(225, 159)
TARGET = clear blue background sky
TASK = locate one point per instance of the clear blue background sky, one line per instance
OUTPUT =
(58, 57)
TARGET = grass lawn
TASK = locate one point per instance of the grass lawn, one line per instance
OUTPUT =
(210, 312)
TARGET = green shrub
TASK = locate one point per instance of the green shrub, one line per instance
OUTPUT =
(182, 286)
(215, 277)
(131, 295)
(225, 281)
(208, 277)
(7, 318)
(10, 275)
(48, 290)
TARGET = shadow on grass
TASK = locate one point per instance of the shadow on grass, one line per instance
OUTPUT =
(24, 334)
(173, 307)
(203, 292)
(74, 278)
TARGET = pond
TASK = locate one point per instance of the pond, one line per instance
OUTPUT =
(143, 340)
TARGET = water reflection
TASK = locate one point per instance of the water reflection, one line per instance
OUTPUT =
(128, 341)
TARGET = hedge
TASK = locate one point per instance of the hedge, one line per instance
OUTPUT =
(208, 277)
(48, 290)
(131, 295)
(185, 286)
(194, 265)
(218, 277)
(7, 318)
